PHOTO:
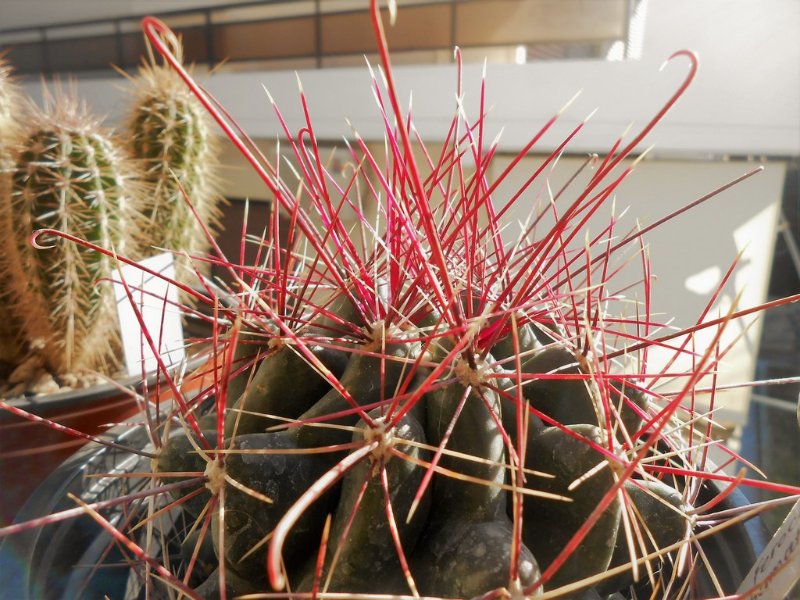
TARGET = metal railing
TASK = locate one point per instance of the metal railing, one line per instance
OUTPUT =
(325, 32)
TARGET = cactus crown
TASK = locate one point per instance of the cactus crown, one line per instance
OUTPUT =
(170, 133)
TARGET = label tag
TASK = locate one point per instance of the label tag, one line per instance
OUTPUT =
(156, 300)
(778, 567)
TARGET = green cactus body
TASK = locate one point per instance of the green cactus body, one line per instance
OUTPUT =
(9, 137)
(169, 132)
(549, 525)
(70, 176)
(366, 540)
(665, 520)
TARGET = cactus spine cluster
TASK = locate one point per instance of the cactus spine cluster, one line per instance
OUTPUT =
(169, 132)
(9, 133)
(70, 176)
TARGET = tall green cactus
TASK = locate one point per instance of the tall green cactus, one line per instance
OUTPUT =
(9, 135)
(70, 176)
(170, 132)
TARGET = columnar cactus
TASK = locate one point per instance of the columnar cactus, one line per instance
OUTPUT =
(70, 176)
(169, 131)
(9, 134)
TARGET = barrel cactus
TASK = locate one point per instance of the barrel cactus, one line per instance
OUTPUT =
(170, 134)
(71, 176)
(491, 431)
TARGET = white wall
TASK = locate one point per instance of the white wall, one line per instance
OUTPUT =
(745, 100)
(688, 256)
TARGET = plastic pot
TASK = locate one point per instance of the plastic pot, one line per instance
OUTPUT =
(29, 452)
(75, 559)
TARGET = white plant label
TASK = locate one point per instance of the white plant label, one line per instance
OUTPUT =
(156, 300)
(778, 567)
